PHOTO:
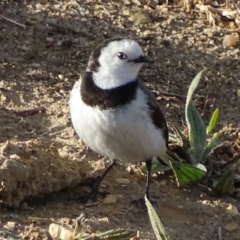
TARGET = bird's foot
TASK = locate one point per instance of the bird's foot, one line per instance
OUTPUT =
(95, 187)
(92, 195)
(140, 203)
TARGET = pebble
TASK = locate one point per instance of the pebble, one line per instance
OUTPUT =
(140, 16)
(127, 2)
(163, 183)
(238, 92)
(49, 39)
(60, 232)
(110, 199)
(122, 180)
(56, 6)
(229, 41)
(60, 76)
(38, 6)
(230, 226)
(232, 210)
(10, 226)
(119, 196)
(206, 202)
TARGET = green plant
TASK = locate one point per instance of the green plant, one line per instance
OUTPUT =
(58, 231)
(200, 144)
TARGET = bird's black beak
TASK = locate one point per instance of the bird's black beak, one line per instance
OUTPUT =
(142, 59)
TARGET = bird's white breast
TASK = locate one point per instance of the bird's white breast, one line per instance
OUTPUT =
(125, 133)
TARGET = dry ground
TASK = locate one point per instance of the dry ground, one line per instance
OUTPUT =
(40, 153)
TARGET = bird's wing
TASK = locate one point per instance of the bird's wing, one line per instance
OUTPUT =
(156, 114)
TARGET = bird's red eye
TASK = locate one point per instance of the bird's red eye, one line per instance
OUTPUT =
(122, 55)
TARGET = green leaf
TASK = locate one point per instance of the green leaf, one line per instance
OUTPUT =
(215, 141)
(113, 234)
(186, 174)
(8, 235)
(196, 126)
(225, 185)
(213, 121)
(156, 222)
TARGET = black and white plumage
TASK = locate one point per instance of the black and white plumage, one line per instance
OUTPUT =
(113, 111)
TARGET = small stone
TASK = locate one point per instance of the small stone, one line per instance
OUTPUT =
(230, 226)
(229, 41)
(10, 226)
(238, 92)
(122, 180)
(163, 183)
(49, 39)
(110, 199)
(60, 76)
(3, 84)
(38, 6)
(119, 196)
(130, 169)
(127, 2)
(3, 98)
(51, 21)
(103, 220)
(60, 232)
(206, 202)
(140, 16)
(232, 210)
(56, 6)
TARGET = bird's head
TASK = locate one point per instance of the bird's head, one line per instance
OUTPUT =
(116, 63)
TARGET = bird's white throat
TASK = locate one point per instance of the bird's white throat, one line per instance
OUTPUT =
(108, 79)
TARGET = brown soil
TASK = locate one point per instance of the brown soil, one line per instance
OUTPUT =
(40, 153)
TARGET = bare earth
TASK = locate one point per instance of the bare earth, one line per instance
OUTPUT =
(40, 153)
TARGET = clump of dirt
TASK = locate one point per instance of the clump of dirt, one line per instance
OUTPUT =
(30, 169)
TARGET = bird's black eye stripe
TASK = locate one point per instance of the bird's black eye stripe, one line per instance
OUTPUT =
(122, 55)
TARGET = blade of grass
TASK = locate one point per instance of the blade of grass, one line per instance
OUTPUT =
(215, 141)
(225, 185)
(213, 121)
(114, 234)
(196, 126)
(156, 222)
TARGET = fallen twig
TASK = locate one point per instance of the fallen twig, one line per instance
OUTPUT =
(171, 94)
(25, 113)
(30, 112)
(219, 13)
(14, 22)
(65, 29)
(220, 233)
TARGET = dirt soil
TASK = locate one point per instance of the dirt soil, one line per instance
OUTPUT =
(43, 163)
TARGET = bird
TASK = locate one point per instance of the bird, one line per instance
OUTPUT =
(113, 111)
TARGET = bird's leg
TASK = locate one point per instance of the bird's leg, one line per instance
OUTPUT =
(149, 170)
(141, 201)
(95, 189)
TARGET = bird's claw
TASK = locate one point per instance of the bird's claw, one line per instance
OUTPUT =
(140, 203)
